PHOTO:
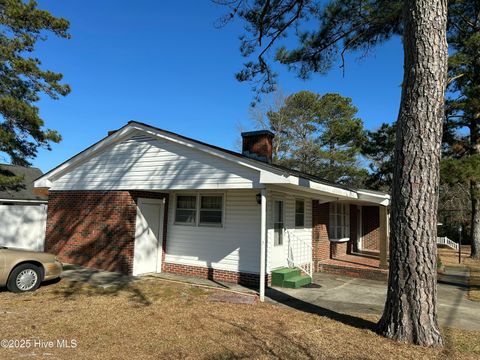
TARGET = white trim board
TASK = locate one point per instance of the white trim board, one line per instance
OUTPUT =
(268, 174)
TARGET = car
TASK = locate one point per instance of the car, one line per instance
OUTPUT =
(24, 270)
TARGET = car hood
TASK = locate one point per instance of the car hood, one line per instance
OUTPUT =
(31, 255)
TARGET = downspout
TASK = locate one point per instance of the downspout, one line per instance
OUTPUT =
(263, 228)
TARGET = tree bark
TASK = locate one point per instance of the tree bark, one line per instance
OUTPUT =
(475, 185)
(410, 313)
(475, 228)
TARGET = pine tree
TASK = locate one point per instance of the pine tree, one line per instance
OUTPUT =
(379, 149)
(463, 106)
(22, 82)
(328, 30)
(319, 135)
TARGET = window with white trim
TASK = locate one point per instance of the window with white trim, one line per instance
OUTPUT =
(211, 210)
(186, 211)
(299, 213)
(278, 225)
(199, 210)
(339, 224)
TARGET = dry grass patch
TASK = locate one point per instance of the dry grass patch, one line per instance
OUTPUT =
(474, 289)
(450, 258)
(154, 319)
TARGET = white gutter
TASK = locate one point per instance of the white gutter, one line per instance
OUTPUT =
(267, 177)
(263, 236)
(381, 199)
(340, 192)
(24, 201)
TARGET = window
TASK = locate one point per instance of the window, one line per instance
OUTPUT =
(299, 213)
(339, 225)
(211, 209)
(277, 222)
(186, 210)
(199, 210)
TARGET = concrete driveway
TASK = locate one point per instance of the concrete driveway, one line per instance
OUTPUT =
(342, 297)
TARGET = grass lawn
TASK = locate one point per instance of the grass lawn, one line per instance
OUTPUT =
(155, 319)
(450, 258)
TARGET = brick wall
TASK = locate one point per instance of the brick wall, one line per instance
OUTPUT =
(246, 279)
(371, 228)
(372, 274)
(323, 249)
(95, 228)
(352, 244)
(320, 243)
(337, 249)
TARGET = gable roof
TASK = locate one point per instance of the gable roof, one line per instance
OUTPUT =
(213, 149)
(259, 162)
(25, 190)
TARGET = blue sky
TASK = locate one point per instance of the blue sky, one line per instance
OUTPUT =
(165, 63)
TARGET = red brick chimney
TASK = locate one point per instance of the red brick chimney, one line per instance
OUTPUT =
(258, 145)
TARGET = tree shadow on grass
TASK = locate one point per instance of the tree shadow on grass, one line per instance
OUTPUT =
(263, 343)
(92, 282)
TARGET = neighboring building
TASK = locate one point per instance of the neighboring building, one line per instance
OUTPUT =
(24, 192)
(148, 200)
(23, 212)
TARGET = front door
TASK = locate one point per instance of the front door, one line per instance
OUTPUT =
(148, 237)
(278, 252)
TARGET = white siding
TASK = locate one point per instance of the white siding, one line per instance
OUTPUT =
(145, 162)
(234, 247)
(23, 226)
(303, 234)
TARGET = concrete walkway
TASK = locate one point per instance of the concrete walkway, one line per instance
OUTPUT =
(343, 297)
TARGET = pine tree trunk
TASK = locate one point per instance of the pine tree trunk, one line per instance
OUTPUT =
(475, 186)
(410, 313)
(475, 151)
(475, 228)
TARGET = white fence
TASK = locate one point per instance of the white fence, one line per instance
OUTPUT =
(443, 240)
(299, 253)
(23, 226)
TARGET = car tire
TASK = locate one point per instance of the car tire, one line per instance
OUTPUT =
(24, 278)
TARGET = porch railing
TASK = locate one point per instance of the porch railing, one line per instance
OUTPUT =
(299, 253)
(443, 240)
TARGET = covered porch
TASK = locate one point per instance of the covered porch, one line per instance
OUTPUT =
(362, 250)
(361, 265)
(324, 229)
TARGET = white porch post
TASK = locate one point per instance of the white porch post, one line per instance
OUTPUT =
(263, 234)
(383, 237)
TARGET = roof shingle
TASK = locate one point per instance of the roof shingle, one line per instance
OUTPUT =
(25, 190)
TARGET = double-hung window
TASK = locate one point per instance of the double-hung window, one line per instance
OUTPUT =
(339, 224)
(299, 213)
(211, 210)
(278, 226)
(186, 211)
(199, 210)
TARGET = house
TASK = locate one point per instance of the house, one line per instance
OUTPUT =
(24, 192)
(147, 200)
(23, 212)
